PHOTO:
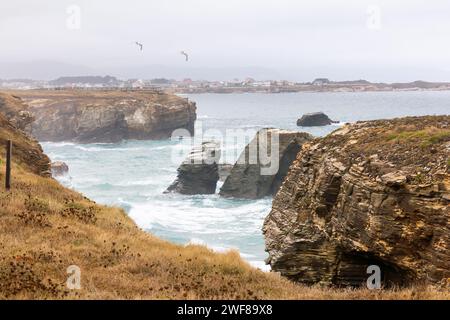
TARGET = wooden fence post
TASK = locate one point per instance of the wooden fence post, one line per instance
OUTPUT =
(8, 164)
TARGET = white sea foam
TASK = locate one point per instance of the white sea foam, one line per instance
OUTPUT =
(143, 182)
(103, 149)
(134, 174)
(57, 144)
(65, 180)
(261, 265)
(196, 241)
(201, 216)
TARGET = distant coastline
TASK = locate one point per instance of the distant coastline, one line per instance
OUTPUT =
(189, 86)
(318, 85)
(336, 87)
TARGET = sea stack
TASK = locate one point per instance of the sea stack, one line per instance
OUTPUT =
(224, 170)
(314, 119)
(199, 173)
(247, 179)
(59, 168)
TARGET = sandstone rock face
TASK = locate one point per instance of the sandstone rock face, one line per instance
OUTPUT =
(109, 116)
(371, 193)
(17, 112)
(224, 170)
(198, 174)
(314, 119)
(13, 124)
(59, 168)
(248, 179)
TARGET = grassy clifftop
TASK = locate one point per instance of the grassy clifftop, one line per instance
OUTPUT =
(45, 228)
(92, 116)
(40, 97)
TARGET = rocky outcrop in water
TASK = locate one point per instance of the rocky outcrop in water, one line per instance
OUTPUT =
(198, 174)
(107, 116)
(224, 170)
(370, 193)
(59, 168)
(248, 179)
(314, 119)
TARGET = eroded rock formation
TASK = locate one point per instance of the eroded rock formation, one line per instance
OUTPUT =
(371, 193)
(16, 111)
(59, 168)
(109, 116)
(224, 170)
(314, 119)
(198, 174)
(26, 150)
(248, 179)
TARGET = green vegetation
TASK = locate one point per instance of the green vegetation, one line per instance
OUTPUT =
(424, 137)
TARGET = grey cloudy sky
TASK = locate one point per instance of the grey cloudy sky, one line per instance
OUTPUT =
(296, 40)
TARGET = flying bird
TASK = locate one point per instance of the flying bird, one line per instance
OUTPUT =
(141, 46)
(185, 54)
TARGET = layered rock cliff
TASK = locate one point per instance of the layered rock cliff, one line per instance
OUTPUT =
(16, 111)
(251, 177)
(199, 172)
(107, 116)
(370, 193)
(47, 231)
(14, 119)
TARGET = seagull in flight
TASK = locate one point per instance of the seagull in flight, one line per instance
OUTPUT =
(185, 54)
(141, 46)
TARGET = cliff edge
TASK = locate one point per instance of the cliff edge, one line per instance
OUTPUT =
(89, 116)
(48, 232)
(16, 111)
(15, 120)
(370, 193)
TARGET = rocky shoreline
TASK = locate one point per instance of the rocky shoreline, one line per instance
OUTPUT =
(106, 116)
(247, 179)
(199, 172)
(370, 193)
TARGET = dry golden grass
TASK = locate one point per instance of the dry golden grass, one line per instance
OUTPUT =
(44, 228)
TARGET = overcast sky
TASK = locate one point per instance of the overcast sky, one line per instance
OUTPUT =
(285, 39)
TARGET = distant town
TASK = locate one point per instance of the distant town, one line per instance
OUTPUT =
(232, 86)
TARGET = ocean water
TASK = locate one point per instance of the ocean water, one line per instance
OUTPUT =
(134, 174)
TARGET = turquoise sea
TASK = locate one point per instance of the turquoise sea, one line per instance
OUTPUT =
(134, 174)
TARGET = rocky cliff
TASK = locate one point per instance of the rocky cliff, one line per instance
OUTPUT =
(47, 231)
(370, 193)
(247, 178)
(199, 172)
(14, 119)
(16, 111)
(107, 116)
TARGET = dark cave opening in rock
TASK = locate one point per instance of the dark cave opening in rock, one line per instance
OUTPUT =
(352, 271)
(285, 162)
